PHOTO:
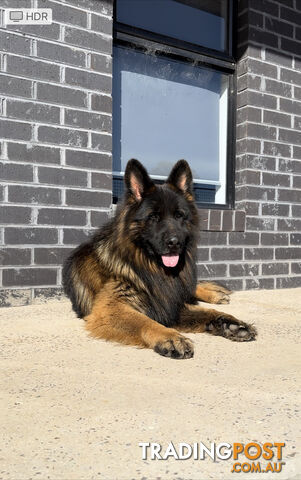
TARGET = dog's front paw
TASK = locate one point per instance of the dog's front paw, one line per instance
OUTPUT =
(231, 328)
(175, 347)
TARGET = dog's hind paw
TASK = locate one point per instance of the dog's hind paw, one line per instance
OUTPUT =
(231, 328)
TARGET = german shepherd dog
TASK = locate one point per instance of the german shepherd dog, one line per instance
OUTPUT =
(135, 281)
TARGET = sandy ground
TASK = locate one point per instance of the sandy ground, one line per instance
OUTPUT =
(76, 408)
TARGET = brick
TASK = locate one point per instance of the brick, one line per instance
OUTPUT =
(291, 15)
(295, 238)
(203, 254)
(15, 130)
(63, 136)
(65, 13)
(104, 7)
(99, 218)
(276, 56)
(12, 43)
(234, 285)
(296, 210)
(101, 24)
(288, 253)
(15, 256)
(248, 177)
(86, 198)
(72, 236)
(15, 297)
(58, 216)
(275, 209)
(29, 277)
(33, 68)
(297, 152)
(288, 282)
(212, 238)
(289, 196)
(101, 103)
(282, 28)
(88, 120)
(89, 80)
(43, 295)
(291, 76)
(33, 153)
(262, 68)
(250, 208)
(62, 176)
(30, 236)
(89, 160)
(61, 54)
(208, 270)
(290, 106)
(243, 238)
(89, 40)
(215, 220)
(265, 6)
(101, 63)
(34, 195)
(290, 136)
(248, 145)
(248, 114)
(227, 220)
(101, 180)
(289, 224)
(15, 86)
(102, 143)
(262, 100)
(257, 162)
(274, 239)
(297, 93)
(263, 37)
(16, 172)
(31, 111)
(297, 183)
(244, 269)
(275, 268)
(256, 224)
(11, 214)
(239, 221)
(259, 283)
(276, 149)
(289, 166)
(61, 95)
(51, 255)
(296, 268)
(204, 214)
(218, 254)
(276, 118)
(297, 123)
(261, 131)
(258, 253)
(51, 32)
(254, 193)
(275, 179)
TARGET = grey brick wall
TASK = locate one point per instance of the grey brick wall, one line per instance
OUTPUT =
(56, 126)
(56, 149)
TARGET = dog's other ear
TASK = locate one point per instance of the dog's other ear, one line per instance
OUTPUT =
(181, 177)
(137, 180)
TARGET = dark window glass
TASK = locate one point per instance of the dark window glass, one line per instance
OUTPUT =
(202, 22)
(164, 110)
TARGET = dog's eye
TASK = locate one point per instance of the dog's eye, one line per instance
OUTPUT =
(154, 217)
(179, 214)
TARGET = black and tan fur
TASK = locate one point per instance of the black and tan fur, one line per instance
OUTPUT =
(119, 285)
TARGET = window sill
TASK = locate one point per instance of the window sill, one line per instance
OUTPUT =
(222, 220)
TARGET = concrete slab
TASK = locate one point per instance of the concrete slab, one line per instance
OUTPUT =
(75, 408)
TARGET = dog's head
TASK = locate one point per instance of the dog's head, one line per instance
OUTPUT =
(163, 218)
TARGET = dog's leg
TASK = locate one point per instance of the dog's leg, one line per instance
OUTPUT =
(117, 321)
(196, 319)
(211, 292)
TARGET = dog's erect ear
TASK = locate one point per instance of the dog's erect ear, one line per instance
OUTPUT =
(137, 180)
(181, 177)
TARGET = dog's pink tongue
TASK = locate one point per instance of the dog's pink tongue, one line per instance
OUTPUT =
(170, 260)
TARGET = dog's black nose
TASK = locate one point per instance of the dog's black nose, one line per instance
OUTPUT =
(173, 242)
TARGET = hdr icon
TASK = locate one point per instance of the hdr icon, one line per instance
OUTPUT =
(28, 16)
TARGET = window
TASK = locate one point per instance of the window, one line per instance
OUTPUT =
(172, 92)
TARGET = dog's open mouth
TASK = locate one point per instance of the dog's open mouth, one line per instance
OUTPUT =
(170, 260)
